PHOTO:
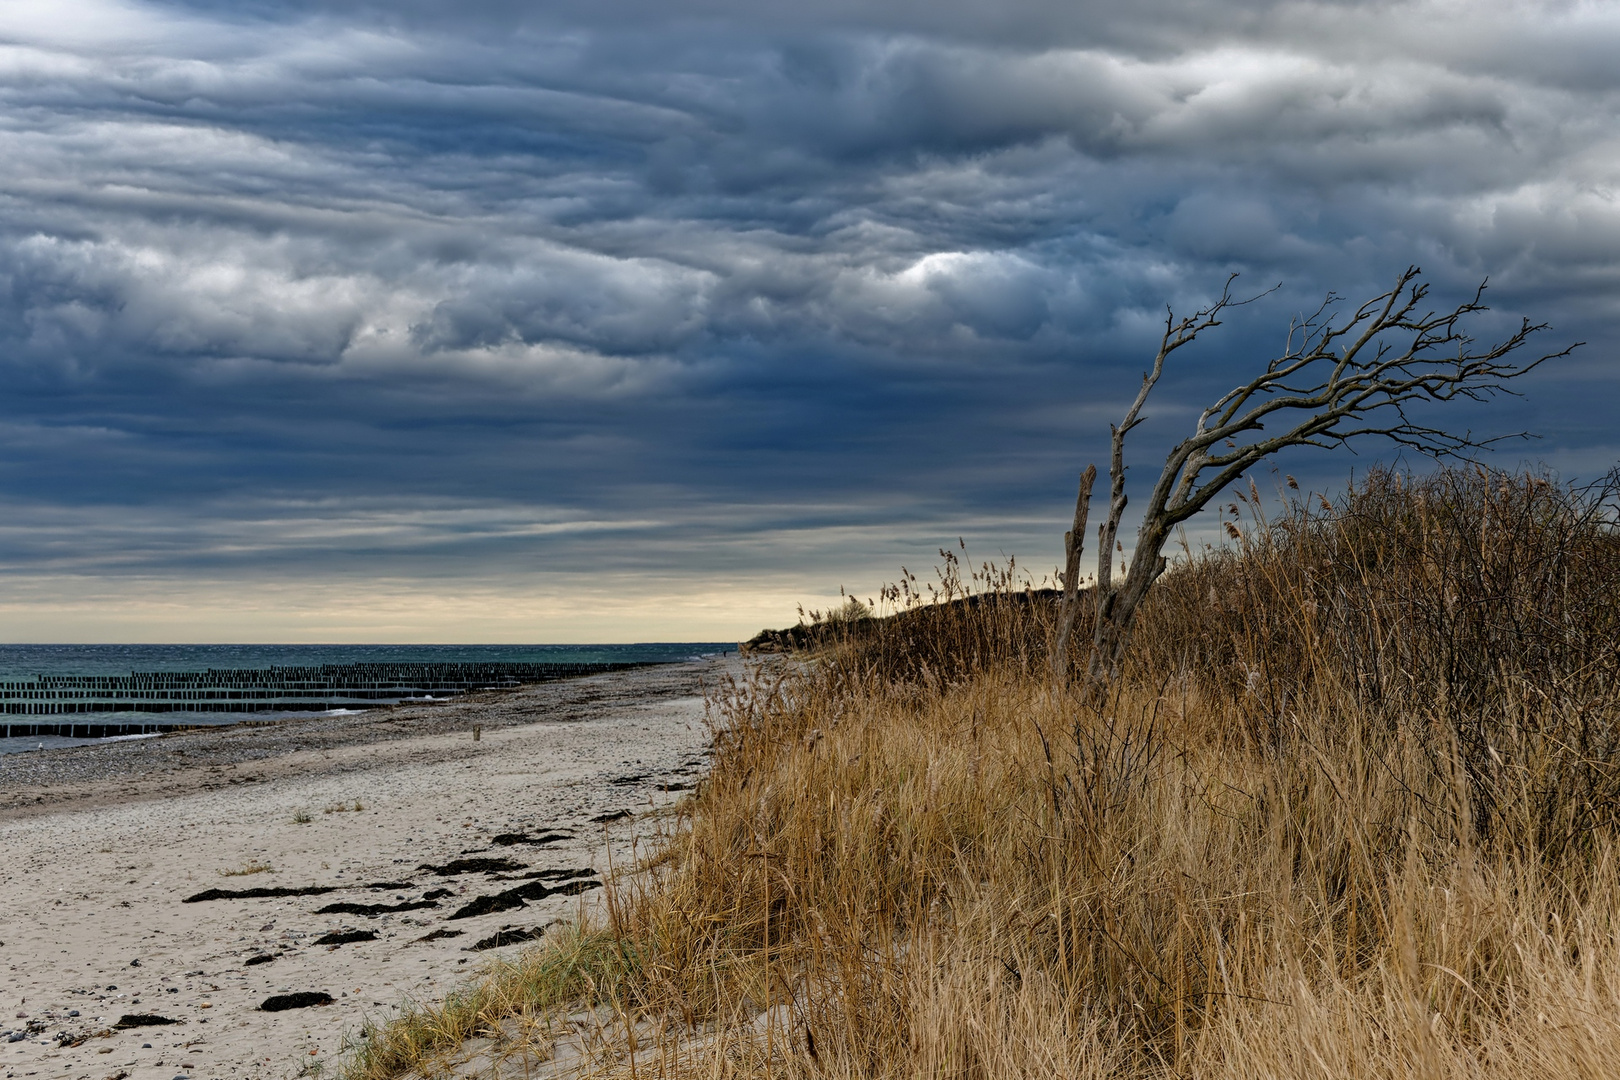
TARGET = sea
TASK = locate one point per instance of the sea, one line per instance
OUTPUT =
(28, 662)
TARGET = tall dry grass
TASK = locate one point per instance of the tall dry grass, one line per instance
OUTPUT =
(1349, 813)
(1485, 601)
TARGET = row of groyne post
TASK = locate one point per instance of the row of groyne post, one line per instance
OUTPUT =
(252, 690)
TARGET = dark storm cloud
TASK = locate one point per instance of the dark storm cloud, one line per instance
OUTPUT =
(300, 290)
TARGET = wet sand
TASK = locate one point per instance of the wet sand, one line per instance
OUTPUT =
(101, 847)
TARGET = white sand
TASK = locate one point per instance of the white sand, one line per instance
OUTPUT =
(93, 919)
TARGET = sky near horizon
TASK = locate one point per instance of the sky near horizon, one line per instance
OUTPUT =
(338, 320)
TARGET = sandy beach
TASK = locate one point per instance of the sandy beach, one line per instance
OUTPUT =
(101, 848)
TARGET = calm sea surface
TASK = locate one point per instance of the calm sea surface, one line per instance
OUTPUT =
(26, 662)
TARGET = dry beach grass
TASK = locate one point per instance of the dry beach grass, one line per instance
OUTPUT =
(1350, 812)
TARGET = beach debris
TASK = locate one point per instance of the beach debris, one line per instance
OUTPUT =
(301, 1000)
(373, 910)
(518, 897)
(67, 1039)
(345, 937)
(256, 894)
(550, 875)
(507, 935)
(440, 933)
(438, 894)
(488, 905)
(135, 1020)
(262, 958)
(616, 815)
(475, 866)
(561, 875)
(509, 839)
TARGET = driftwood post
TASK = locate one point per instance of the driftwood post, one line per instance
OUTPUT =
(1073, 542)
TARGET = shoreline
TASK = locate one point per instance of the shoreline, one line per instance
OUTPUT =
(101, 846)
(44, 782)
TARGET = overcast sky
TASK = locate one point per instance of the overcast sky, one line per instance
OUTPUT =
(598, 320)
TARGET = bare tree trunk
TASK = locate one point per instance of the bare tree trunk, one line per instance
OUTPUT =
(1117, 611)
(1073, 542)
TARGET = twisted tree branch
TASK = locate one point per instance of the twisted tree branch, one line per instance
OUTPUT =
(1334, 382)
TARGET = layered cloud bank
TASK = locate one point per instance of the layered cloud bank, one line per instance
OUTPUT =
(649, 318)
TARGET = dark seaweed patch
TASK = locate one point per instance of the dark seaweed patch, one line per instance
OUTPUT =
(373, 910)
(507, 935)
(134, 1020)
(572, 888)
(511, 838)
(440, 933)
(488, 905)
(259, 893)
(559, 875)
(516, 898)
(344, 937)
(262, 958)
(301, 1000)
(475, 866)
(617, 815)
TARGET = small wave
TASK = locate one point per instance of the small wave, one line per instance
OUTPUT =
(28, 744)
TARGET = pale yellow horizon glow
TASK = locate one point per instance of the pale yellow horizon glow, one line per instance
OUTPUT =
(148, 611)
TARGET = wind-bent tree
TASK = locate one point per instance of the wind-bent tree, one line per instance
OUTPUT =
(1334, 381)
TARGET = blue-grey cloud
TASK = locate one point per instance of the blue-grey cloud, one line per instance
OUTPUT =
(302, 292)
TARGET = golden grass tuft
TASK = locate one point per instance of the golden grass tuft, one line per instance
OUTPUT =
(1390, 852)
(252, 866)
